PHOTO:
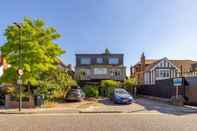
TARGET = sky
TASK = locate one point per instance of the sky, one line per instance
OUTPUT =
(159, 28)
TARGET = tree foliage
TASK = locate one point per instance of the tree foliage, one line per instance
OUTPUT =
(130, 83)
(110, 84)
(39, 51)
(56, 81)
(40, 58)
(91, 91)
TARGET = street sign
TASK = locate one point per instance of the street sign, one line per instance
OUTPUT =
(19, 82)
(20, 72)
(177, 82)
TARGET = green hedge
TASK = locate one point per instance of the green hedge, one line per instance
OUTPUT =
(91, 91)
(108, 86)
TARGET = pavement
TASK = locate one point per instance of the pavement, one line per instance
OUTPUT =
(141, 105)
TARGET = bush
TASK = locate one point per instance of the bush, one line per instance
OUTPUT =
(178, 101)
(91, 91)
(130, 83)
(108, 86)
(110, 83)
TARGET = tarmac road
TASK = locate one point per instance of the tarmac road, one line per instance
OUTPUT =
(99, 122)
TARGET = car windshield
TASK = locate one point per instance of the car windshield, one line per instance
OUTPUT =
(121, 92)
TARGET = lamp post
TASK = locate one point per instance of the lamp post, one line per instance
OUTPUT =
(20, 71)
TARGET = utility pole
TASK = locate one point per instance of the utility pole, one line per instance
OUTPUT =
(20, 71)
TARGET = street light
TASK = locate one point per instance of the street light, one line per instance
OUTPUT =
(20, 71)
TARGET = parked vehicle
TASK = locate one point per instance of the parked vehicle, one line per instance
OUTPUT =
(75, 94)
(121, 96)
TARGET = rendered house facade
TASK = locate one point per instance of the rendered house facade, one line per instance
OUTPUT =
(95, 67)
(149, 71)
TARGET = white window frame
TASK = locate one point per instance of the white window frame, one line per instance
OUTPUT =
(163, 71)
(100, 71)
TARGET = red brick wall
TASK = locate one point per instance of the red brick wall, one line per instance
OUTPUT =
(14, 104)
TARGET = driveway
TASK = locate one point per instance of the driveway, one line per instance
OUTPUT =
(105, 105)
(141, 105)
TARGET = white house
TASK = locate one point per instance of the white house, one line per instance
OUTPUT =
(148, 71)
(166, 69)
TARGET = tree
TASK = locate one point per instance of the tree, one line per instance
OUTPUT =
(109, 83)
(55, 83)
(108, 86)
(130, 83)
(39, 51)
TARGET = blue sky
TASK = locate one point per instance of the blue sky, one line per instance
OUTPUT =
(160, 28)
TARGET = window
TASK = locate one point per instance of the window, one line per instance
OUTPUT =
(163, 74)
(115, 72)
(85, 61)
(99, 60)
(113, 61)
(165, 64)
(100, 71)
(84, 72)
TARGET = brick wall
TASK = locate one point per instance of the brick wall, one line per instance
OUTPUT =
(14, 104)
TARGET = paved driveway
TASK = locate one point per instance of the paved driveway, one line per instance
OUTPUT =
(142, 105)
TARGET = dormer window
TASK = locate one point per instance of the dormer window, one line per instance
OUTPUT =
(85, 61)
(99, 60)
(113, 61)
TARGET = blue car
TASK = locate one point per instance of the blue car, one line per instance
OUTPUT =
(121, 96)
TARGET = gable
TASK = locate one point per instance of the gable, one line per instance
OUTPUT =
(163, 63)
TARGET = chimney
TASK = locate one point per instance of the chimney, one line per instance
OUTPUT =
(142, 62)
(131, 71)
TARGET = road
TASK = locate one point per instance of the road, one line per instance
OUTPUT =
(99, 122)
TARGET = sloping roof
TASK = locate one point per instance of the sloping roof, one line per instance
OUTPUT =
(153, 64)
(148, 61)
(186, 64)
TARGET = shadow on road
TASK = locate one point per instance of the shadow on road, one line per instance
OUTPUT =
(162, 107)
(146, 105)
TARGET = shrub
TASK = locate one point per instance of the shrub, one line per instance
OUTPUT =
(130, 83)
(178, 101)
(110, 83)
(108, 86)
(91, 91)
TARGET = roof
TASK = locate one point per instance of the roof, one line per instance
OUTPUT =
(150, 61)
(147, 61)
(186, 64)
(150, 66)
(111, 54)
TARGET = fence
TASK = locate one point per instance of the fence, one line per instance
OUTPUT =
(165, 89)
(162, 88)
